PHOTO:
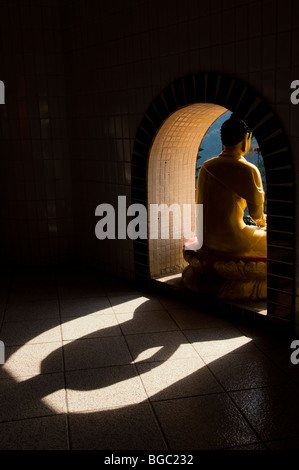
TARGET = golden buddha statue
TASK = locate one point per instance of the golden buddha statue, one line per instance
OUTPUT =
(233, 255)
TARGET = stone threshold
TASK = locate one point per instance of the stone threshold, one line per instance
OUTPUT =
(251, 313)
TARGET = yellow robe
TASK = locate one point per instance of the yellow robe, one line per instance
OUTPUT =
(226, 185)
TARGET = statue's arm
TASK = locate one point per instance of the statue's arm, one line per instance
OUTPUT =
(256, 212)
(255, 203)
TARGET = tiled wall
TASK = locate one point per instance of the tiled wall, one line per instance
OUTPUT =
(36, 209)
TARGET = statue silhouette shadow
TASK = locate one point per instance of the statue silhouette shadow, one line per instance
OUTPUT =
(131, 426)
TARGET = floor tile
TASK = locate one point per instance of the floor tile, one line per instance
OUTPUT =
(131, 303)
(38, 396)
(85, 306)
(189, 318)
(103, 388)
(90, 326)
(113, 286)
(203, 423)
(284, 444)
(135, 370)
(46, 433)
(35, 331)
(159, 346)
(280, 352)
(30, 359)
(132, 427)
(96, 352)
(177, 378)
(32, 294)
(32, 310)
(272, 411)
(255, 446)
(78, 291)
(79, 285)
(145, 322)
(172, 303)
(218, 341)
(245, 370)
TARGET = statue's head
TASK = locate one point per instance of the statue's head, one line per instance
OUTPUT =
(234, 132)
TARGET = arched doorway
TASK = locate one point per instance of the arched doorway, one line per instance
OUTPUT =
(204, 91)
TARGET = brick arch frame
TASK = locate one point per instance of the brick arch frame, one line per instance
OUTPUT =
(237, 97)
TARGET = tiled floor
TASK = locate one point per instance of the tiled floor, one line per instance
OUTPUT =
(94, 363)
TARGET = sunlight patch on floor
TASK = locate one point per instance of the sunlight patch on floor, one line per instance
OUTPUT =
(116, 385)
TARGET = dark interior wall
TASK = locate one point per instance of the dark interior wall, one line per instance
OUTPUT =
(114, 70)
(102, 124)
(35, 185)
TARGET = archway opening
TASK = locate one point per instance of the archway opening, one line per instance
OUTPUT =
(231, 94)
(189, 136)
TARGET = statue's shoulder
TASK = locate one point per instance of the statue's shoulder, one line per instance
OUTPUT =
(211, 162)
(250, 166)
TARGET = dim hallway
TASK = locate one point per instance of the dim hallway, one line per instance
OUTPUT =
(94, 362)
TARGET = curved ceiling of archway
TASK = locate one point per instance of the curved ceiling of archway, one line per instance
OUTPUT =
(171, 177)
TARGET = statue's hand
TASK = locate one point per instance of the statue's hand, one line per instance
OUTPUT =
(262, 222)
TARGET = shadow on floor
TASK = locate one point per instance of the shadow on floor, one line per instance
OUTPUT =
(102, 390)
